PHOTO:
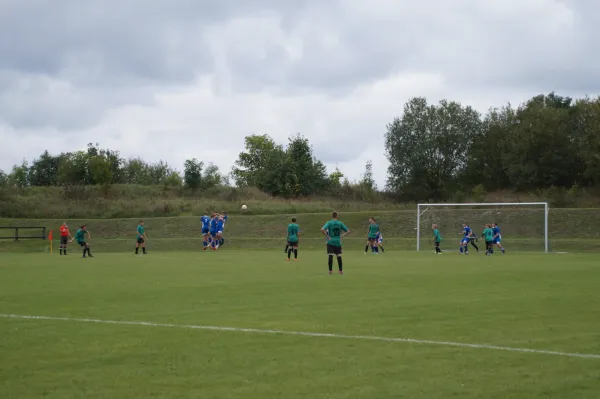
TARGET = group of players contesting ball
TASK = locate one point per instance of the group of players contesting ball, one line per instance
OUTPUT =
(334, 230)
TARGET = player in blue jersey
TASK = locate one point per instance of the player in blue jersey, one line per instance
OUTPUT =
(224, 216)
(497, 237)
(213, 231)
(220, 225)
(466, 239)
(379, 242)
(205, 220)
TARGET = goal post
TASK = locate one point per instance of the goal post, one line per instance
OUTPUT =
(523, 218)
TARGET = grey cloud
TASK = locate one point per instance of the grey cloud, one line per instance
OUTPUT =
(106, 56)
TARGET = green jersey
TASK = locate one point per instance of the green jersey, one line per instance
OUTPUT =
(436, 235)
(334, 229)
(293, 230)
(373, 230)
(140, 231)
(80, 235)
(488, 234)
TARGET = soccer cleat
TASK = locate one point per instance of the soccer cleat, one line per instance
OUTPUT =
(341, 272)
(295, 259)
(287, 259)
(330, 272)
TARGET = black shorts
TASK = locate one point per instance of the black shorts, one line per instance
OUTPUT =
(490, 243)
(437, 243)
(374, 239)
(82, 243)
(64, 240)
(334, 250)
(140, 240)
(292, 244)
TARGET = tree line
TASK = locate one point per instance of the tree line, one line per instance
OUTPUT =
(435, 151)
(288, 172)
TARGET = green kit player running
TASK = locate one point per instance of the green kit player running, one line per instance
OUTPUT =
(437, 238)
(334, 231)
(80, 238)
(488, 235)
(372, 234)
(140, 238)
(293, 232)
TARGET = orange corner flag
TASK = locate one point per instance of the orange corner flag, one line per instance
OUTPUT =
(50, 236)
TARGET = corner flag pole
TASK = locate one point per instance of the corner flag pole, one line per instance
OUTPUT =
(50, 239)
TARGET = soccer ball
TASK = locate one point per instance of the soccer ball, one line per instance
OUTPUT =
(244, 207)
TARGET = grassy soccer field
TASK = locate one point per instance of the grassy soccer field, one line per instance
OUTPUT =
(538, 302)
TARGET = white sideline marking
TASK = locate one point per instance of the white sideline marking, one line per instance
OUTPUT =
(307, 334)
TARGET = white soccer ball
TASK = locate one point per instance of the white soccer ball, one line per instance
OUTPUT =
(244, 207)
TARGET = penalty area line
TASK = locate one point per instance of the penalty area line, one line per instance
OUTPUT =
(308, 334)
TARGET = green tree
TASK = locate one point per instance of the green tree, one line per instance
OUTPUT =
(336, 178)
(428, 148)
(3, 179)
(541, 150)
(307, 175)
(252, 166)
(100, 170)
(487, 165)
(159, 172)
(44, 170)
(74, 169)
(19, 176)
(585, 124)
(173, 179)
(211, 177)
(368, 181)
(192, 173)
(136, 171)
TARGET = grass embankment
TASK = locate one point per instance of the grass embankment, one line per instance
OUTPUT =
(570, 230)
(123, 201)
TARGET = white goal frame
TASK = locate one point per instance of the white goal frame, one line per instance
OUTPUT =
(478, 204)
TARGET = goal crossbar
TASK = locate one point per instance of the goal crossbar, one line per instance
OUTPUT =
(484, 204)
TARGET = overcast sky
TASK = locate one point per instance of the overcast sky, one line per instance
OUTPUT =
(178, 79)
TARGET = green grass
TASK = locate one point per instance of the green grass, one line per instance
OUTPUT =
(537, 301)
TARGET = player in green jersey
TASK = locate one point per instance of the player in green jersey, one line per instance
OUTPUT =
(80, 238)
(334, 231)
(372, 233)
(293, 233)
(140, 238)
(437, 238)
(488, 235)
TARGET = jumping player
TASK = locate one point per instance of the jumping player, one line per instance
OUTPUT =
(334, 231)
(140, 238)
(497, 237)
(293, 232)
(372, 236)
(213, 231)
(464, 242)
(65, 234)
(220, 226)
(379, 242)
(223, 228)
(80, 237)
(437, 238)
(488, 235)
(205, 220)
(473, 239)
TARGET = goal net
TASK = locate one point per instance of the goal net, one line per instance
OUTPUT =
(523, 226)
